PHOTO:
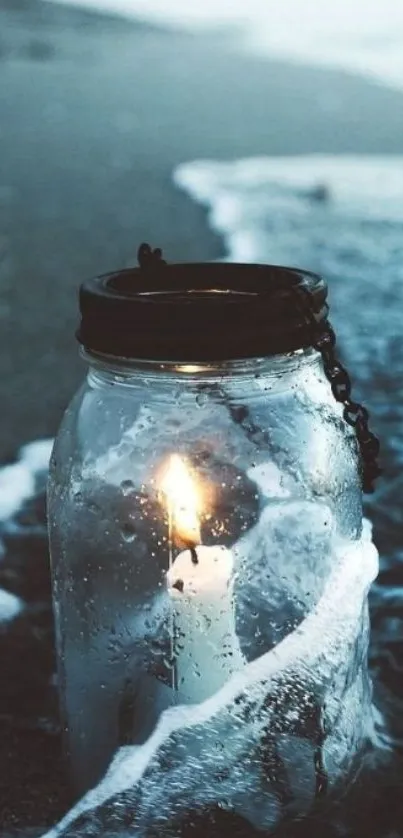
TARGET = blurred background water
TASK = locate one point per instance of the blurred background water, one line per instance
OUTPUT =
(276, 137)
(361, 35)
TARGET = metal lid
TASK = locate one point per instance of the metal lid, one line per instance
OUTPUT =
(200, 312)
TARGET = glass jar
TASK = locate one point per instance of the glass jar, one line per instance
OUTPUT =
(204, 498)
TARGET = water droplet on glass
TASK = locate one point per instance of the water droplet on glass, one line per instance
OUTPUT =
(127, 487)
(94, 508)
(128, 532)
(201, 399)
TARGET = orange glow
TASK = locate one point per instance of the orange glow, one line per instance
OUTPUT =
(183, 502)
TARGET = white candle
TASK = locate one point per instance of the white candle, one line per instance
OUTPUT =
(206, 648)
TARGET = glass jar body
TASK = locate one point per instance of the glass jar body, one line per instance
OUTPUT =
(281, 491)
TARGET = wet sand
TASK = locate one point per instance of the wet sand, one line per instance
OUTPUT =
(94, 115)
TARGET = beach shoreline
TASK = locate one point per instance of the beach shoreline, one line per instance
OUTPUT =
(96, 114)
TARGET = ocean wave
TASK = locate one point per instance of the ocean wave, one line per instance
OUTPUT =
(342, 217)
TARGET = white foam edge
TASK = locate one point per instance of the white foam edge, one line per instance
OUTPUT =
(17, 481)
(36, 455)
(364, 186)
(356, 569)
(10, 606)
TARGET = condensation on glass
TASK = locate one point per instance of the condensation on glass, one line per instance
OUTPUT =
(206, 524)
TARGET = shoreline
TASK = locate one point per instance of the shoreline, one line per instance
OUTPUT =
(96, 114)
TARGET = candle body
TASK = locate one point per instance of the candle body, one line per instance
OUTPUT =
(206, 648)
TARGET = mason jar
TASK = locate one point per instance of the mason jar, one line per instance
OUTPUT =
(205, 514)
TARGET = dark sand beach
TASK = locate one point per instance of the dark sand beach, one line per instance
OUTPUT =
(95, 113)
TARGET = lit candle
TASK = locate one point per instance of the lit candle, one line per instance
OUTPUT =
(205, 645)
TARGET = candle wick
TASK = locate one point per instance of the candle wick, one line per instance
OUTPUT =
(193, 554)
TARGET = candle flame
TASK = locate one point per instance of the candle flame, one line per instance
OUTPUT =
(183, 501)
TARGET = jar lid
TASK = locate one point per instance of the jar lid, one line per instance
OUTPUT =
(212, 311)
